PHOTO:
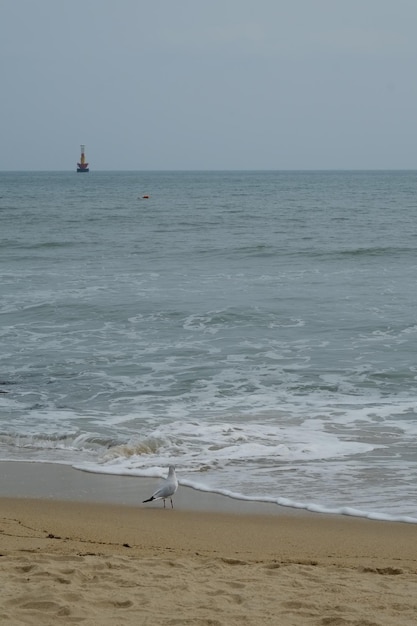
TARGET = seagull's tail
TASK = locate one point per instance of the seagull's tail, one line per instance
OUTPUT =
(149, 499)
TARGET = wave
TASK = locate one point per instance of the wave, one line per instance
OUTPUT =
(265, 463)
(371, 251)
(279, 501)
(311, 507)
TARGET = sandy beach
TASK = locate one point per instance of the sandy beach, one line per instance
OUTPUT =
(81, 548)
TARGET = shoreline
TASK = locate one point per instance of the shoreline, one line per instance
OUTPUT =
(35, 488)
(55, 481)
(80, 547)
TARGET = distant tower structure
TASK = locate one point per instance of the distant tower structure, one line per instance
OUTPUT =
(82, 166)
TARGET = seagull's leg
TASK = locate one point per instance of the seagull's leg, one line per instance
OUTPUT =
(172, 504)
(164, 502)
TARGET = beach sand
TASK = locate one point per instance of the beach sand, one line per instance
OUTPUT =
(81, 548)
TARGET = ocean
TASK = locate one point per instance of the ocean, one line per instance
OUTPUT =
(255, 329)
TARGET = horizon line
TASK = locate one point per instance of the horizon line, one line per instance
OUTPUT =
(343, 169)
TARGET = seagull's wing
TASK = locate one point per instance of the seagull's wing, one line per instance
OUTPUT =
(168, 488)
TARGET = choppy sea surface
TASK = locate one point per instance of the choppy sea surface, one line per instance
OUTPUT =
(255, 329)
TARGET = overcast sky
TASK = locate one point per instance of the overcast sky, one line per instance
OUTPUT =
(208, 84)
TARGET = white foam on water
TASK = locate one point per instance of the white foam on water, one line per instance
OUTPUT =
(342, 457)
(259, 462)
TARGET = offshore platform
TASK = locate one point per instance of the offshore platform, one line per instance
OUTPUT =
(82, 166)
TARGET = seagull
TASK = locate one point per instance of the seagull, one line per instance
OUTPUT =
(168, 488)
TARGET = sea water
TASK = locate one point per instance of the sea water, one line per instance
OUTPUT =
(255, 329)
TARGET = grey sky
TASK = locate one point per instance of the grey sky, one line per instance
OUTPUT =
(208, 84)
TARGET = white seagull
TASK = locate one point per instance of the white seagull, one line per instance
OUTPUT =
(169, 487)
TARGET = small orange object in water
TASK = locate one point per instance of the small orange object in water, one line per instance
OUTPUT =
(145, 197)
